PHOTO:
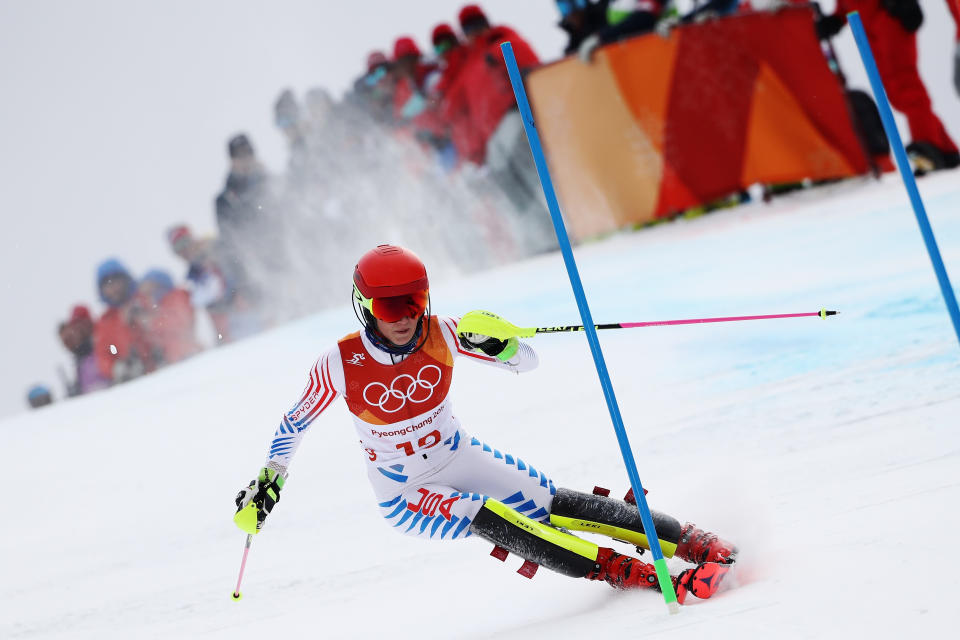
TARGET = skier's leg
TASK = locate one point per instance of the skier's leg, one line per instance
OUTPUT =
(482, 468)
(432, 511)
(514, 514)
(440, 512)
(578, 511)
(443, 508)
(534, 541)
(540, 544)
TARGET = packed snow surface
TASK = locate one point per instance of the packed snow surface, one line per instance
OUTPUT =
(828, 450)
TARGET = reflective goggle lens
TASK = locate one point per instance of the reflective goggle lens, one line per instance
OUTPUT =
(395, 308)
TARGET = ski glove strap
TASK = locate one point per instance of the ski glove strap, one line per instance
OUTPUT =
(502, 350)
(255, 501)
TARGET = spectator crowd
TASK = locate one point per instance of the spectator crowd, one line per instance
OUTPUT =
(426, 150)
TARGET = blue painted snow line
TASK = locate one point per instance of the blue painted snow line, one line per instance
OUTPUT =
(909, 181)
(534, 139)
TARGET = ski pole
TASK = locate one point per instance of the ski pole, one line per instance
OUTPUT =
(659, 562)
(906, 173)
(823, 313)
(236, 595)
(490, 324)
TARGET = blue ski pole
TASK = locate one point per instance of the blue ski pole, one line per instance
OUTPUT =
(663, 574)
(863, 44)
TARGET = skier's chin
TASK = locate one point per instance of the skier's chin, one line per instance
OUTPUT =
(401, 338)
(399, 334)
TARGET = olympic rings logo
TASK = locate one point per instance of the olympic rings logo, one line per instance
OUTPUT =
(404, 387)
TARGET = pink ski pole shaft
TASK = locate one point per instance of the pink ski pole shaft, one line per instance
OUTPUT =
(236, 595)
(661, 323)
(823, 313)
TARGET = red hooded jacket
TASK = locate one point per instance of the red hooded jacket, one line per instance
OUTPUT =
(456, 117)
(481, 92)
(125, 338)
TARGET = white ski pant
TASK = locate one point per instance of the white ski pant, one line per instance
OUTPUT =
(437, 494)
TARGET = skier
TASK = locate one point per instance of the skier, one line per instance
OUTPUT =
(430, 477)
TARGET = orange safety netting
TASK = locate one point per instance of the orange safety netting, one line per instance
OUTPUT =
(657, 125)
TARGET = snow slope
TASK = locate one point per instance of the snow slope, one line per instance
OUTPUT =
(827, 449)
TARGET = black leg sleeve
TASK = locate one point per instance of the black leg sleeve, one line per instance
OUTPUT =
(578, 511)
(534, 541)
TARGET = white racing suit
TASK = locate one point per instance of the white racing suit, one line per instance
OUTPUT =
(432, 480)
(429, 476)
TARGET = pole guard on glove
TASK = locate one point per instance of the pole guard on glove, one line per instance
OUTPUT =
(256, 500)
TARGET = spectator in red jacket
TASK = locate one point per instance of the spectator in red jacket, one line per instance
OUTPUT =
(412, 107)
(168, 318)
(482, 93)
(119, 343)
(76, 334)
(452, 55)
(453, 102)
(891, 27)
(408, 98)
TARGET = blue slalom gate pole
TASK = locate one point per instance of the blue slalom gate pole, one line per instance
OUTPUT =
(663, 574)
(909, 181)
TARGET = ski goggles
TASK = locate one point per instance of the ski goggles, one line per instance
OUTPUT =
(395, 308)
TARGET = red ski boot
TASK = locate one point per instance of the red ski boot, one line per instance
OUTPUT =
(699, 546)
(702, 581)
(623, 572)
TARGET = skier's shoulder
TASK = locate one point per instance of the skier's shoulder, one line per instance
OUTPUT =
(448, 321)
(327, 370)
(447, 324)
(355, 335)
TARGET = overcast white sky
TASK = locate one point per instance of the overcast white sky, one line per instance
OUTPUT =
(114, 117)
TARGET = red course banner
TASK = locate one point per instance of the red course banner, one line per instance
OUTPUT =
(657, 125)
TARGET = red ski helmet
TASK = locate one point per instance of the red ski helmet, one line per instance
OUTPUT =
(391, 283)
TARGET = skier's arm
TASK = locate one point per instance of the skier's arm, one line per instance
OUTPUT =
(510, 355)
(256, 500)
(324, 383)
